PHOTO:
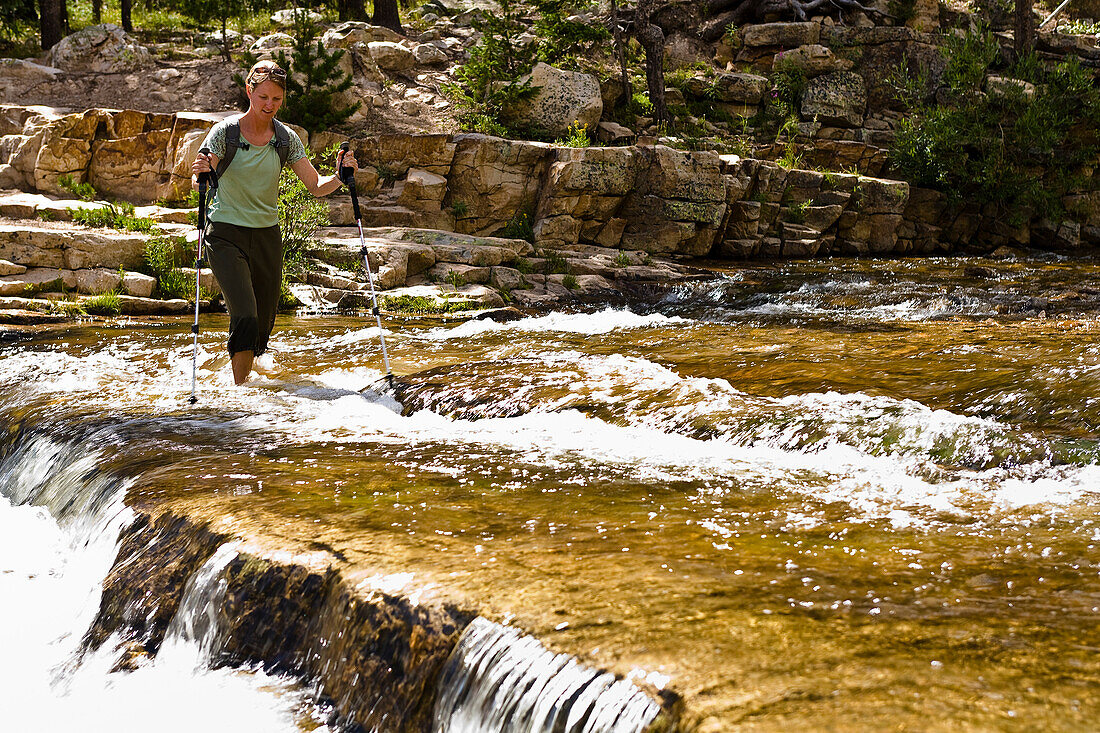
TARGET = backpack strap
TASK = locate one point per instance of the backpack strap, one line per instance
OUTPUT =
(233, 141)
(282, 142)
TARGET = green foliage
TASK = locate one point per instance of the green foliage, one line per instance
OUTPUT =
(314, 80)
(423, 305)
(563, 42)
(577, 137)
(68, 308)
(112, 216)
(570, 282)
(524, 265)
(554, 263)
(455, 279)
(105, 304)
(518, 227)
(83, 191)
(301, 214)
(163, 256)
(460, 208)
(622, 259)
(1013, 149)
(46, 216)
(779, 114)
(796, 213)
(487, 86)
(968, 57)
(387, 175)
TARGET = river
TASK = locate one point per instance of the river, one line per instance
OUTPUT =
(822, 495)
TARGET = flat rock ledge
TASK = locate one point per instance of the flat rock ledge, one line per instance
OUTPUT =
(376, 657)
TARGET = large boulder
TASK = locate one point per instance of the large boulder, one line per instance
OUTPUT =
(562, 99)
(291, 16)
(740, 88)
(838, 99)
(271, 42)
(352, 32)
(104, 49)
(391, 56)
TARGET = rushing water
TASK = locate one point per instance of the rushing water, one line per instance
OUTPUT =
(827, 495)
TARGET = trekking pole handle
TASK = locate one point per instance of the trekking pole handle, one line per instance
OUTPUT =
(208, 177)
(347, 175)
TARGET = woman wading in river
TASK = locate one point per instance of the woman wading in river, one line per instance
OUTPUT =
(242, 238)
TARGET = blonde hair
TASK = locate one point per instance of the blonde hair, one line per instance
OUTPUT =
(262, 71)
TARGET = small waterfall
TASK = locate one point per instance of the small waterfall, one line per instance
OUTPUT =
(499, 681)
(195, 630)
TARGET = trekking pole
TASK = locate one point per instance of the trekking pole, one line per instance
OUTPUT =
(205, 178)
(348, 177)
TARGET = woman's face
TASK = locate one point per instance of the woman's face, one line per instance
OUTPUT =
(266, 98)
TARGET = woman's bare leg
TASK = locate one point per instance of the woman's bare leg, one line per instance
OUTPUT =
(242, 365)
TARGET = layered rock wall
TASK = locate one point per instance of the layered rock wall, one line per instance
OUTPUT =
(648, 198)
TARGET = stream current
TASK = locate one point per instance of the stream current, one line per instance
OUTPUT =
(826, 495)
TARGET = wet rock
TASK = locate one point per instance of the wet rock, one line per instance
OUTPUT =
(562, 99)
(104, 49)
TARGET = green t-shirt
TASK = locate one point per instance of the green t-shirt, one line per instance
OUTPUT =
(248, 193)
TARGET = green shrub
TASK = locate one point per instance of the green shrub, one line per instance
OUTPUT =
(83, 191)
(301, 214)
(563, 42)
(524, 265)
(163, 257)
(105, 304)
(570, 282)
(112, 216)
(518, 227)
(487, 86)
(577, 137)
(622, 259)
(423, 305)
(1019, 152)
(554, 263)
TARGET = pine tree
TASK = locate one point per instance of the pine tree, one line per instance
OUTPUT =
(313, 82)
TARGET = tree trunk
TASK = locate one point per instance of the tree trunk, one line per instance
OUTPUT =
(97, 12)
(386, 15)
(225, 32)
(51, 15)
(127, 24)
(620, 53)
(357, 10)
(1024, 37)
(652, 39)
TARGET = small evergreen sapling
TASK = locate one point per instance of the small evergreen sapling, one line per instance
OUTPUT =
(314, 80)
